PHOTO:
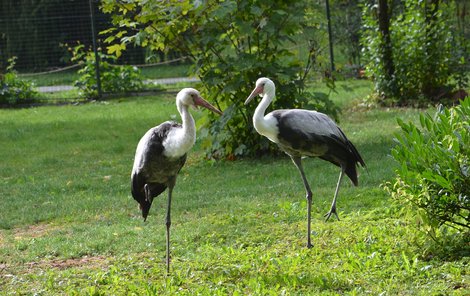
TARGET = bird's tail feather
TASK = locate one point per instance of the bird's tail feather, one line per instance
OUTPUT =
(351, 172)
(357, 156)
(145, 208)
(350, 169)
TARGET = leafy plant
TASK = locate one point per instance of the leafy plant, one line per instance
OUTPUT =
(434, 174)
(14, 90)
(428, 56)
(113, 78)
(232, 44)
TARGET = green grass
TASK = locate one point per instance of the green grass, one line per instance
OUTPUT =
(67, 77)
(166, 71)
(68, 224)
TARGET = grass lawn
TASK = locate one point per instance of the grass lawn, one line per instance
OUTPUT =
(68, 224)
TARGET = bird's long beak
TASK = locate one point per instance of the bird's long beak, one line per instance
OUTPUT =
(203, 103)
(258, 90)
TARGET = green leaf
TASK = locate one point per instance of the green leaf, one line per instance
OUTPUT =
(116, 49)
(110, 39)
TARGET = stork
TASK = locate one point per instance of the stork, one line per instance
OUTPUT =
(160, 155)
(302, 133)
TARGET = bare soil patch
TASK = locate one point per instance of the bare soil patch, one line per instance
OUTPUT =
(87, 262)
(90, 262)
(35, 231)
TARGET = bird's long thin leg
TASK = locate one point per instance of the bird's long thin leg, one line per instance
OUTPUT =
(298, 163)
(333, 204)
(168, 224)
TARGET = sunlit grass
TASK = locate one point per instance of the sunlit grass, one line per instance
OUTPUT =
(68, 224)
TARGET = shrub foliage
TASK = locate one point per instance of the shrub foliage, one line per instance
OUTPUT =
(113, 78)
(14, 90)
(434, 172)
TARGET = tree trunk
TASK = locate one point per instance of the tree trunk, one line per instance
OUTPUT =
(432, 87)
(387, 58)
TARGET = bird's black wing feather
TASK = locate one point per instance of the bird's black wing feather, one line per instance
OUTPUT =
(356, 156)
(307, 133)
(137, 189)
(303, 133)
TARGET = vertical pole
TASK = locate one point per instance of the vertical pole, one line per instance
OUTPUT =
(330, 36)
(95, 50)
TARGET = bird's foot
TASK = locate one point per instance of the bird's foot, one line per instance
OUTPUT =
(309, 245)
(330, 212)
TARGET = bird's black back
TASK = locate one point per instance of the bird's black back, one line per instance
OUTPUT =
(152, 167)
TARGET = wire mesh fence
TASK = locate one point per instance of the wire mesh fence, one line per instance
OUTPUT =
(40, 33)
(41, 37)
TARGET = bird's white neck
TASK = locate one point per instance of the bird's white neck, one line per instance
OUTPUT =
(265, 125)
(180, 141)
(258, 117)
(189, 126)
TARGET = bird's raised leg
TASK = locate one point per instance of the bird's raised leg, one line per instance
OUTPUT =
(298, 163)
(147, 192)
(148, 198)
(168, 223)
(333, 204)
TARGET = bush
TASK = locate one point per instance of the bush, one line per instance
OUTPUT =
(434, 174)
(14, 90)
(113, 78)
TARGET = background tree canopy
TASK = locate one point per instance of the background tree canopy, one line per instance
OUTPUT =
(232, 44)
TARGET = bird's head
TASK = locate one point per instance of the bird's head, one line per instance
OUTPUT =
(191, 97)
(263, 86)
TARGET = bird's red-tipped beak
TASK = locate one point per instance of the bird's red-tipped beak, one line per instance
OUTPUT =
(198, 101)
(258, 90)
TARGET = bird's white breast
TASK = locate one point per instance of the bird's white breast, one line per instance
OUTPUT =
(267, 127)
(178, 142)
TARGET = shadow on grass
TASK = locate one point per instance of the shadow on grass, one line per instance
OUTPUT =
(448, 246)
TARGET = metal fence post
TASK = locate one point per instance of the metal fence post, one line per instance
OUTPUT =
(95, 50)
(330, 35)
